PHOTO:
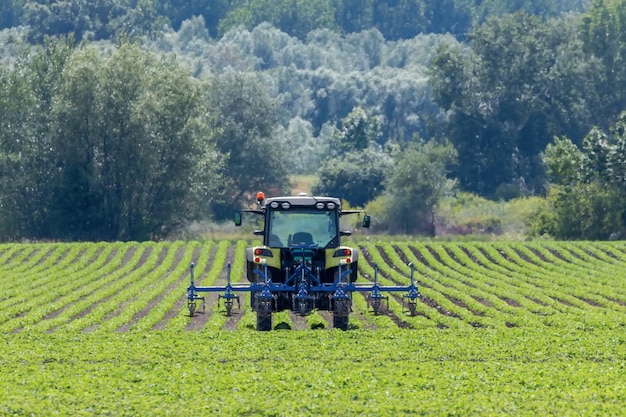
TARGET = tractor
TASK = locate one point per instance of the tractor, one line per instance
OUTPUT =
(301, 265)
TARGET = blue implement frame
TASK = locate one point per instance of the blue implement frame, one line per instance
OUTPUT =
(304, 287)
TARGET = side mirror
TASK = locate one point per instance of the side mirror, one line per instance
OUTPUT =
(238, 219)
(258, 233)
(366, 220)
(345, 233)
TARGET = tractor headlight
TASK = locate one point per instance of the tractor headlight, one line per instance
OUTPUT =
(342, 252)
(260, 254)
(263, 252)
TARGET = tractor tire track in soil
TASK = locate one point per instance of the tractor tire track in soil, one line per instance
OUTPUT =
(298, 322)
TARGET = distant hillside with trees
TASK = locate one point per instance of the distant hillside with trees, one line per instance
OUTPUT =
(394, 19)
(126, 119)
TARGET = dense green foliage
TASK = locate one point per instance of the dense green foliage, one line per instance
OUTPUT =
(245, 125)
(392, 372)
(505, 79)
(394, 19)
(416, 183)
(589, 197)
(603, 32)
(519, 84)
(95, 147)
(356, 167)
(99, 328)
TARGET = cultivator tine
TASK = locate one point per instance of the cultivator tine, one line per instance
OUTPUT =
(192, 297)
(303, 302)
(410, 298)
(229, 295)
(376, 297)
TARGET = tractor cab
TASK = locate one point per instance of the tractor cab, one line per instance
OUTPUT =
(298, 227)
(303, 221)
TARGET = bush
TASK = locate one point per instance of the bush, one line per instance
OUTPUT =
(468, 213)
(583, 211)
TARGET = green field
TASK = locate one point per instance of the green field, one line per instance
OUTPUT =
(502, 329)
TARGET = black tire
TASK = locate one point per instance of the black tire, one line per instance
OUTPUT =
(249, 274)
(355, 271)
(323, 302)
(263, 322)
(341, 322)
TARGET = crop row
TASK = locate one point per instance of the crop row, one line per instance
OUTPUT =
(133, 286)
(513, 284)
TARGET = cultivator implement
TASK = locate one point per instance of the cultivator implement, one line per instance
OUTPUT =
(303, 290)
(301, 266)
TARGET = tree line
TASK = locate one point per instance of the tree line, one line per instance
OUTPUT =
(132, 139)
(125, 146)
(395, 19)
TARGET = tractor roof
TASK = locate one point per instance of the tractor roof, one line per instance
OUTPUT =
(303, 201)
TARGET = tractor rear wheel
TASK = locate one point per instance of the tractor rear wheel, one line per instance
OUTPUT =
(249, 274)
(355, 271)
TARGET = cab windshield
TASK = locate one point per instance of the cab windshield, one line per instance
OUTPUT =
(302, 227)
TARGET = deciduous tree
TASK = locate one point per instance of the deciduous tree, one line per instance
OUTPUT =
(246, 126)
(603, 32)
(521, 83)
(28, 168)
(416, 183)
(103, 148)
(589, 195)
(354, 166)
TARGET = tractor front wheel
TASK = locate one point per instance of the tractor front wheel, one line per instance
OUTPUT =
(263, 321)
(341, 321)
(341, 313)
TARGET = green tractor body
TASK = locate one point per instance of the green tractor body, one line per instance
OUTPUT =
(301, 229)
